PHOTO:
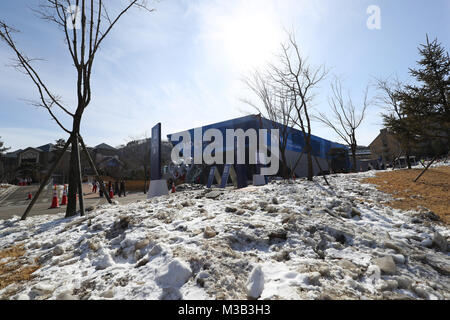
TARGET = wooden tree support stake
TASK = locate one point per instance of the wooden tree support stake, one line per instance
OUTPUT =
(297, 162)
(46, 179)
(320, 168)
(423, 171)
(79, 178)
(91, 162)
(421, 162)
(395, 160)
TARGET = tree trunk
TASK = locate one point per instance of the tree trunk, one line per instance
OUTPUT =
(80, 181)
(309, 157)
(284, 169)
(74, 175)
(310, 167)
(73, 183)
(353, 148)
(408, 153)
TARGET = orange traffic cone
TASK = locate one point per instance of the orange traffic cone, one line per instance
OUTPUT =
(64, 197)
(29, 196)
(173, 187)
(111, 193)
(55, 199)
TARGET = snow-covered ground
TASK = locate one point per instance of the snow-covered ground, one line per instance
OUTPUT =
(437, 163)
(285, 240)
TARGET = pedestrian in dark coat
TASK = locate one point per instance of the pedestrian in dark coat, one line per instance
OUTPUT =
(116, 188)
(122, 188)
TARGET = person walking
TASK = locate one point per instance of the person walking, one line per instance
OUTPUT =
(116, 188)
(122, 188)
(100, 191)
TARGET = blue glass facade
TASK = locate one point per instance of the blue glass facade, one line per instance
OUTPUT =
(296, 141)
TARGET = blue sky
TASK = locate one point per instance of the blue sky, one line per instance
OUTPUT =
(182, 65)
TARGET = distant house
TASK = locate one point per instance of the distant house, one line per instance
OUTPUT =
(105, 149)
(385, 147)
(364, 158)
(35, 162)
(9, 161)
(362, 153)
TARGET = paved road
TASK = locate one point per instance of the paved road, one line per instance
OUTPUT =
(15, 203)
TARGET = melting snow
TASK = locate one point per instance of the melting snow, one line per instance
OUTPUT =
(285, 240)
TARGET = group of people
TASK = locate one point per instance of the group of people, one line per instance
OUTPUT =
(24, 182)
(117, 187)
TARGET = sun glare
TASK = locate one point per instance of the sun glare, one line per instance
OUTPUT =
(250, 41)
(247, 37)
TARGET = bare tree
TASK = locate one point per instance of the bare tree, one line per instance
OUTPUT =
(2, 149)
(394, 118)
(298, 80)
(85, 25)
(345, 119)
(276, 105)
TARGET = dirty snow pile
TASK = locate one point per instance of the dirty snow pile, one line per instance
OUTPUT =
(435, 164)
(286, 240)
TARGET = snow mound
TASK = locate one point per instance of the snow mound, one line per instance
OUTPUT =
(103, 261)
(255, 283)
(176, 274)
(285, 240)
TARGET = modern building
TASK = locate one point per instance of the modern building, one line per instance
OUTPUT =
(331, 156)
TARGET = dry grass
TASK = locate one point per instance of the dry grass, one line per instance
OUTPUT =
(12, 270)
(431, 191)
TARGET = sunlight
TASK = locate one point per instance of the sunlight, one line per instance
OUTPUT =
(250, 41)
(248, 36)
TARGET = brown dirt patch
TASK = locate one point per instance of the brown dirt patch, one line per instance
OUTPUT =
(431, 191)
(13, 270)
